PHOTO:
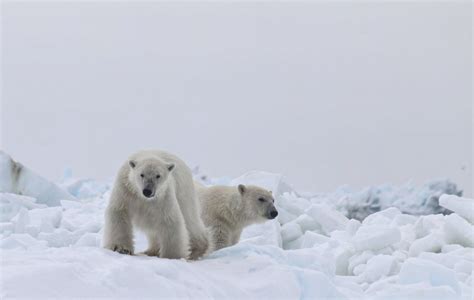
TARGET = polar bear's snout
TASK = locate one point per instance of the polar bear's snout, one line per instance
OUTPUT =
(149, 187)
(272, 213)
(148, 192)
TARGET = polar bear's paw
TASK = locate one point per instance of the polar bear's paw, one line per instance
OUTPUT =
(199, 247)
(152, 252)
(122, 249)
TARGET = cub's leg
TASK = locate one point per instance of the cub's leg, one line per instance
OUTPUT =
(221, 237)
(236, 237)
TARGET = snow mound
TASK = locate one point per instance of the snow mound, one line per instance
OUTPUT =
(408, 199)
(85, 188)
(459, 231)
(18, 179)
(10, 205)
(416, 270)
(462, 206)
(275, 183)
(311, 251)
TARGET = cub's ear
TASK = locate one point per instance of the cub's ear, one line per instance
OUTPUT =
(132, 163)
(242, 189)
(170, 166)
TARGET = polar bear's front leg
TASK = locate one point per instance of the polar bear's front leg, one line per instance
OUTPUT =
(153, 244)
(174, 240)
(118, 231)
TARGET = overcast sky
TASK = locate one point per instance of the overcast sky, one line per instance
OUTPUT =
(324, 93)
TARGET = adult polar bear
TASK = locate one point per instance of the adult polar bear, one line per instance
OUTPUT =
(154, 191)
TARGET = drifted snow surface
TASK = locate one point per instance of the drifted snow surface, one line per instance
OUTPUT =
(311, 251)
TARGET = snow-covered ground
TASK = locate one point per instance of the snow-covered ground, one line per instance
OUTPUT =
(51, 248)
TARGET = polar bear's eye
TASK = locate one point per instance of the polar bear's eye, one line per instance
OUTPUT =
(158, 176)
(141, 175)
(261, 199)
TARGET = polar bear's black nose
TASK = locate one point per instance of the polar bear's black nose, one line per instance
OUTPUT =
(147, 192)
(273, 214)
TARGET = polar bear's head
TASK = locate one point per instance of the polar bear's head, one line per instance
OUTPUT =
(259, 202)
(149, 176)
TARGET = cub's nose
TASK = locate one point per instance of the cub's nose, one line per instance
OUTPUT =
(147, 193)
(273, 214)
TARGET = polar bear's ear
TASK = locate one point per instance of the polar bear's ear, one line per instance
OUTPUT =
(132, 164)
(242, 189)
(170, 167)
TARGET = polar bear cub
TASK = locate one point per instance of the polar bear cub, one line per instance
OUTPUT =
(227, 210)
(154, 191)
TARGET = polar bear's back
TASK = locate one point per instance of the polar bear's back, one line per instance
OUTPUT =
(218, 203)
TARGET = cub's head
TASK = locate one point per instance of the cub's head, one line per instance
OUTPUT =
(259, 202)
(148, 176)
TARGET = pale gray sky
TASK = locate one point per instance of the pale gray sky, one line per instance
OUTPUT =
(324, 93)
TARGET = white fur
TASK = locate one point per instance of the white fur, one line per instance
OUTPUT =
(170, 218)
(226, 211)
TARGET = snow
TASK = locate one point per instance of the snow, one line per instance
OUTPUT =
(268, 233)
(374, 237)
(426, 224)
(290, 232)
(461, 206)
(10, 205)
(433, 242)
(312, 250)
(378, 267)
(416, 270)
(408, 198)
(328, 218)
(459, 231)
(84, 188)
(311, 239)
(307, 223)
